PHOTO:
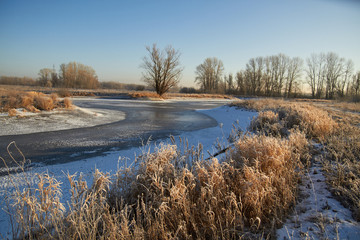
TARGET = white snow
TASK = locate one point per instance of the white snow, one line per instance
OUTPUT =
(318, 215)
(28, 122)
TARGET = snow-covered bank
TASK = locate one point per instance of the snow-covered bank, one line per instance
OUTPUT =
(46, 121)
(225, 116)
(318, 215)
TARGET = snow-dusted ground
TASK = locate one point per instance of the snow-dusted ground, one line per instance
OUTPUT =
(318, 215)
(28, 122)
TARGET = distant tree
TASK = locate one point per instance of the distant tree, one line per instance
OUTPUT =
(283, 66)
(77, 75)
(229, 86)
(333, 72)
(162, 69)
(55, 80)
(356, 84)
(254, 75)
(188, 90)
(346, 77)
(240, 82)
(209, 73)
(293, 73)
(18, 81)
(316, 74)
(45, 75)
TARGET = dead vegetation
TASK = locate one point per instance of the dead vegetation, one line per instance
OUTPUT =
(342, 166)
(155, 96)
(30, 101)
(337, 131)
(173, 193)
(279, 116)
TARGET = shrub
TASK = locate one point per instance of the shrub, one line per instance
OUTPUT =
(27, 101)
(67, 103)
(266, 122)
(283, 116)
(43, 103)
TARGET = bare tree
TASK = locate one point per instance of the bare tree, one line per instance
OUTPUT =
(254, 74)
(162, 69)
(356, 84)
(209, 73)
(45, 75)
(316, 73)
(240, 82)
(344, 80)
(229, 83)
(293, 73)
(334, 70)
(283, 65)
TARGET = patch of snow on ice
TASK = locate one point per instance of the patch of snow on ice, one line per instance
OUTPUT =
(55, 120)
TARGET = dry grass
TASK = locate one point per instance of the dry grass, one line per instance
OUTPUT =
(337, 130)
(342, 166)
(146, 95)
(279, 116)
(171, 194)
(155, 96)
(31, 101)
(197, 95)
(12, 112)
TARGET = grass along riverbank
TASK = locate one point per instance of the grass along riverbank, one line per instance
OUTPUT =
(174, 193)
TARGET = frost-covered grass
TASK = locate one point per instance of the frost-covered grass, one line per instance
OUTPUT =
(10, 100)
(154, 95)
(175, 189)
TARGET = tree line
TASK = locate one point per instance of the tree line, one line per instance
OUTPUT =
(327, 75)
(71, 75)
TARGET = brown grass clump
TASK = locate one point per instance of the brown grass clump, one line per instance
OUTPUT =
(261, 104)
(67, 103)
(27, 101)
(44, 103)
(12, 112)
(146, 95)
(197, 95)
(155, 96)
(277, 117)
(313, 121)
(31, 101)
(266, 122)
(270, 175)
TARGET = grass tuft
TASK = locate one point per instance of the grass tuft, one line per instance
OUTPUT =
(31, 101)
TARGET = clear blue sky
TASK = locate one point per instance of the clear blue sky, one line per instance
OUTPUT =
(111, 36)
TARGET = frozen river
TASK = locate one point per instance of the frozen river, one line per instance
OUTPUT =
(117, 124)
